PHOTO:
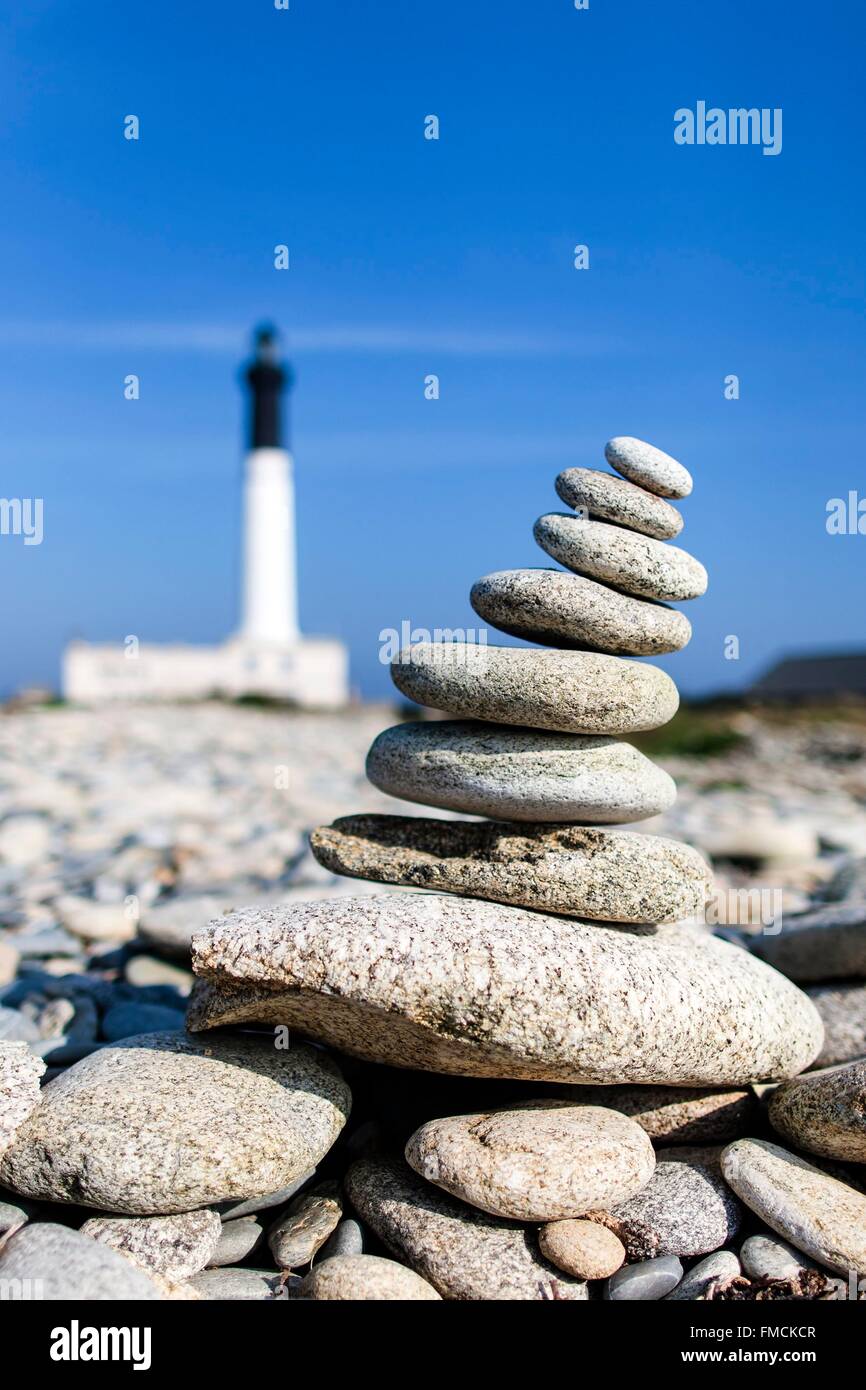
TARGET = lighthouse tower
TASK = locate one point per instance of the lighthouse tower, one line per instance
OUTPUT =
(267, 657)
(270, 608)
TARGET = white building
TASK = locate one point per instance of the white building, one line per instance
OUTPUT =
(267, 656)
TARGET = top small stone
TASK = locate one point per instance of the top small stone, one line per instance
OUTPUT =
(647, 466)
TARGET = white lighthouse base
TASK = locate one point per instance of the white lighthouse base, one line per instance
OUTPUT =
(311, 673)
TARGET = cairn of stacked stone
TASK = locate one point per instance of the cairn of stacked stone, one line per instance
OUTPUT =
(540, 1077)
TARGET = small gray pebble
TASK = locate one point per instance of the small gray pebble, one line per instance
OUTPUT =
(347, 1239)
(644, 1282)
(238, 1240)
(233, 1283)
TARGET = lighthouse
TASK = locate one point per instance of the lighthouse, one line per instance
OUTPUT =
(270, 606)
(267, 657)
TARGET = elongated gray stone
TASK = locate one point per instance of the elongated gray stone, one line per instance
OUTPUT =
(824, 1218)
(645, 1282)
(768, 1257)
(604, 875)
(636, 564)
(571, 611)
(166, 1122)
(539, 1161)
(648, 466)
(604, 496)
(516, 774)
(464, 1253)
(574, 692)
(826, 943)
(456, 985)
(824, 1112)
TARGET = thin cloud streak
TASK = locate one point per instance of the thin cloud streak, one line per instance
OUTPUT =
(229, 340)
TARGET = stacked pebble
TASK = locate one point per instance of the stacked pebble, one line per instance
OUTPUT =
(547, 765)
(192, 1155)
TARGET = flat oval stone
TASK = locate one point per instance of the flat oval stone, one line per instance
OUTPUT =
(581, 1248)
(648, 466)
(538, 1161)
(824, 1112)
(571, 611)
(347, 1239)
(365, 1278)
(684, 1209)
(826, 943)
(462, 1252)
(518, 774)
(677, 1114)
(471, 988)
(645, 1282)
(604, 496)
(843, 1013)
(604, 875)
(636, 564)
(574, 692)
(175, 1246)
(60, 1264)
(165, 1122)
(824, 1218)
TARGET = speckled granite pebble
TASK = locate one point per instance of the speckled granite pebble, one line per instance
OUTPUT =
(581, 1248)
(365, 1278)
(819, 1215)
(573, 870)
(635, 564)
(569, 610)
(539, 1161)
(574, 692)
(462, 1252)
(176, 1246)
(648, 466)
(702, 1277)
(645, 1282)
(685, 1209)
(297, 1234)
(675, 1114)
(768, 1257)
(457, 985)
(19, 1088)
(609, 498)
(843, 1013)
(165, 1122)
(63, 1265)
(826, 943)
(824, 1112)
(517, 774)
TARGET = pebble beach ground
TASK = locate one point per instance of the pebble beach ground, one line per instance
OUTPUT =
(125, 831)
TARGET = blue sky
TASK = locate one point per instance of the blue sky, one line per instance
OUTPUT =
(410, 257)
